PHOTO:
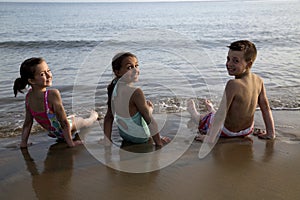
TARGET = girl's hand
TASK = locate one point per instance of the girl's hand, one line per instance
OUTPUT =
(165, 140)
(162, 141)
(78, 142)
(105, 141)
(149, 103)
(151, 107)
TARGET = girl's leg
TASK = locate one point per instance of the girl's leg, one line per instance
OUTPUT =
(80, 122)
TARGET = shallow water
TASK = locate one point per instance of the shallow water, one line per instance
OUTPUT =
(181, 49)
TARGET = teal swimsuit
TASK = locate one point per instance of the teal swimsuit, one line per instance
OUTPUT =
(134, 129)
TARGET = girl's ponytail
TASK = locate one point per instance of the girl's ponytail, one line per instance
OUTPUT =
(19, 85)
(110, 89)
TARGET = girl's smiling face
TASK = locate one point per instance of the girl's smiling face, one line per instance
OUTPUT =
(236, 64)
(42, 76)
(129, 70)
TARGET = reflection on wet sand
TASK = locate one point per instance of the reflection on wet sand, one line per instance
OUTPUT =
(236, 168)
(53, 181)
(237, 152)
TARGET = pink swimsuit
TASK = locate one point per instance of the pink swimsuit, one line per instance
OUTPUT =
(47, 119)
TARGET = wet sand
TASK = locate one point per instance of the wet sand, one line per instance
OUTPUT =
(244, 168)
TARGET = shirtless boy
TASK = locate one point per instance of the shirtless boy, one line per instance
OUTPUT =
(241, 97)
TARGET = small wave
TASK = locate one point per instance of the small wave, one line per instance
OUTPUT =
(16, 130)
(163, 105)
(49, 44)
(284, 104)
(286, 109)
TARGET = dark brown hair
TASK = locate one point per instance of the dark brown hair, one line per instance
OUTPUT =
(27, 71)
(247, 47)
(116, 65)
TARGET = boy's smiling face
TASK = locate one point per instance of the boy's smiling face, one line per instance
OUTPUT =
(236, 64)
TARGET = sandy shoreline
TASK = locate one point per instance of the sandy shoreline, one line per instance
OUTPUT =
(235, 169)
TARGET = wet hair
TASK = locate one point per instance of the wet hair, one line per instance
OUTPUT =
(27, 71)
(116, 65)
(247, 47)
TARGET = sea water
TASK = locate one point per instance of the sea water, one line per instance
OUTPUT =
(181, 49)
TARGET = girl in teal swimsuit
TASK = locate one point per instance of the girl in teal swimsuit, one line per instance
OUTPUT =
(45, 106)
(127, 105)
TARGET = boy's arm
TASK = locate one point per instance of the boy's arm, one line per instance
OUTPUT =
(267, 115)
(26, 128)
(56, 102)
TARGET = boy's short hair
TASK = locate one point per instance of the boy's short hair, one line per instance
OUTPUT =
(247, 47)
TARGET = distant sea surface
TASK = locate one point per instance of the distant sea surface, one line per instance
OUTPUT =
(181, 49)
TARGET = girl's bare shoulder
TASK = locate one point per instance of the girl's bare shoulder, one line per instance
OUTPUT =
(53, 94)
(138, 92)
(138, 96)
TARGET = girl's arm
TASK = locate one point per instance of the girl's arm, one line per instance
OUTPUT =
(142, 105)
(26, 128)
(55, 102)
(267, 115)
(108, 122)
(145, 108)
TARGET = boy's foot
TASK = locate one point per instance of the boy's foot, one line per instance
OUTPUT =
(191, 107)
(209, 106)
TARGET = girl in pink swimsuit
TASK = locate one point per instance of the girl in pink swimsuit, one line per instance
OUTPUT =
(45, 106)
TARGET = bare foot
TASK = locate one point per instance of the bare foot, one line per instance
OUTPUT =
(94, 115)
(200, 137)
(209, 106)
(191, 107)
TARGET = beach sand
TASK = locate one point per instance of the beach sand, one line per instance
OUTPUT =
(244, 168)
